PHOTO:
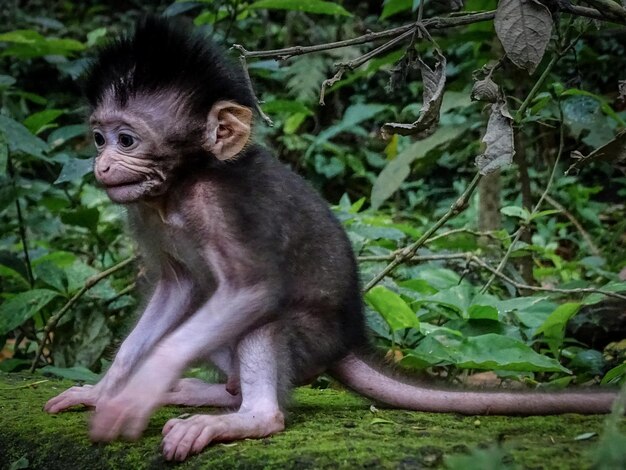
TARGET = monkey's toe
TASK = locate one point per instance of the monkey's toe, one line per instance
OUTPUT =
(185, 437)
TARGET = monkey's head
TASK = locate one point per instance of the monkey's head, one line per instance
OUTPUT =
(163, 99)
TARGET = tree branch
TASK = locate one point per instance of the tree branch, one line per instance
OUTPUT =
(54, 319)
(459, 206)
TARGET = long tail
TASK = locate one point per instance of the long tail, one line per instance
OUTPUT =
(371, 382)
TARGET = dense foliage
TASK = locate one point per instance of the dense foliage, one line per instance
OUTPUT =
(491, 289)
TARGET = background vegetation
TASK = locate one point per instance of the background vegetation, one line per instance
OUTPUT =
(520, 277)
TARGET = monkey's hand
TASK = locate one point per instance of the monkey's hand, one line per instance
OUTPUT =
(125, 415)
(87, 395)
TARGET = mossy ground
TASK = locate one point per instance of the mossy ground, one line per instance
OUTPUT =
(326, 429)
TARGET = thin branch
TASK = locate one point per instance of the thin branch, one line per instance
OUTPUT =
(355, 63)
(524, 227)
(476, 233)
(558, 206)
(459, 206)
(265, 117)
(54, 319)
(21, 224)
(609, 8)
(415, 259)
(430, 23)
(522, 286)
(471, 258)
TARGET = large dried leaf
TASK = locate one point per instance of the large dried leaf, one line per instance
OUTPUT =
(498, 138)
(524, 28)
(434, 82)
(615, 149)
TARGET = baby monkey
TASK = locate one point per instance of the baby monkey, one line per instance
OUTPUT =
(251, 271)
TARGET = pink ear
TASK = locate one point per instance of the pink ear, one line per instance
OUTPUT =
(228, 129)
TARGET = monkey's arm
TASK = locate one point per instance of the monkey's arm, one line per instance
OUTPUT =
(226, 315)
(164, 311)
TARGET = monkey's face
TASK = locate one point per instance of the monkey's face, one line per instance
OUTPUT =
(133, 160)
(142, 145)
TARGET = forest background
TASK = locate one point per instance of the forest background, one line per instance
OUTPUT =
(474, 151)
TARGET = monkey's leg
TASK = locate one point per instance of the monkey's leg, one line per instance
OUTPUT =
(194, 392)
(226, 316)
(166, 307)
(259, 415)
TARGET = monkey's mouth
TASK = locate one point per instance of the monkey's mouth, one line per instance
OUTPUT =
(124, 192)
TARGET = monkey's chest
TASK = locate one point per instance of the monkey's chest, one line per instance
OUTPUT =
(181, 249)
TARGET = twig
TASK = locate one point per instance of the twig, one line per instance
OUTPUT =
(28, 385)
(476, 233)
(557, 205)
(471, 258)
(21, 224)
(609, 8)
(415, 259)
(129, 288)
(430, 23)
(257, 105)
(459, 206)
(54, 319)
(524, 226)
(519, 285)
(355, 63)
(455, 231)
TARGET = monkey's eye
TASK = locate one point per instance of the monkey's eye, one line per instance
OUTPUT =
(98, 139)
(126, 140)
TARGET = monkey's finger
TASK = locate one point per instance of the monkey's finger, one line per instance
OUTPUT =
(106, 423)
(71, 397)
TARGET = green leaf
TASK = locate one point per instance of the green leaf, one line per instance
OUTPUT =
(615, 375)
(494, 351)
(544, 213)
(95, 36)
(4, 154)
(61, 135)
(52, 275)
(307, 6)
(74, 169)
(353, 116)
(482, 312)
(78, 373)
(553, 328)
(286, 106)
(20, 307)
(392, 7)
(392, 307)
(38, 121)
(516, 211)
(397, 170)
(82, 217)
(20, 139)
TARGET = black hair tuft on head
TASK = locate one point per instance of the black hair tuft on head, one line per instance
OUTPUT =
(161, 56)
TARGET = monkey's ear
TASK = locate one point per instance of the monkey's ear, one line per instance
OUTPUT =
(228, 129)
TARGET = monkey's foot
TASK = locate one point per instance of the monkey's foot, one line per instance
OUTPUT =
(185, 437)
(194, 392)
(87, 395)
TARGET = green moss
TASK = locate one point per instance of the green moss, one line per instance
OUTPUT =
(326, 429)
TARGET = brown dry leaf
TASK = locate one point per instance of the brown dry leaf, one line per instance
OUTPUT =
(524, 28)
(614, 149)
(426, 124)
(485, 90)
(498, 138)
